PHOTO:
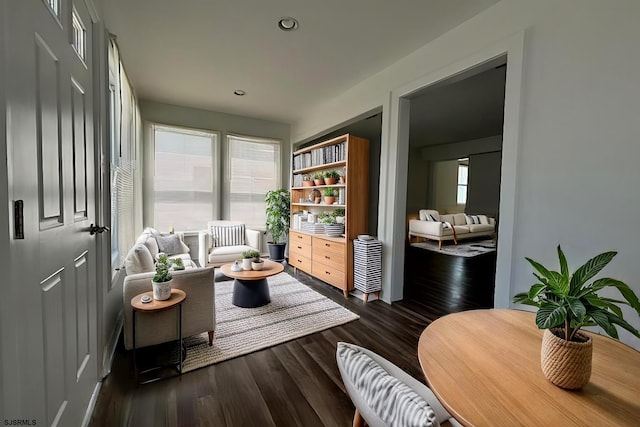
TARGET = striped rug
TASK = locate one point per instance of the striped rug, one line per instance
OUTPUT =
(295, 311)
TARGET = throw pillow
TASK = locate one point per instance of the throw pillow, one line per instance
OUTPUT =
(171, 245)
(393, 401)
(227, 235)
(152, 244)
(483, 219)
(152, 231)
(139, 260)
(472, 219)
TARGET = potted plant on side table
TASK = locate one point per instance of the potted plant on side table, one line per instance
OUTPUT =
(278, 207)
(162, 280)
(567, 302)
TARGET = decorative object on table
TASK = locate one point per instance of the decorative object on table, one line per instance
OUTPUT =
(161, 281)
(278, 207)
(236, 266)
(248, 257)
(307, 181)
(257, 264)
(318, 178)
(331, 177)
(367, 265)
(329, 194)
(567, 302)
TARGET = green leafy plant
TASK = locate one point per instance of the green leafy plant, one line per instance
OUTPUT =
(338, 212)
(162, 270)
(307, 177)
(570, 302)
(332, 174)
(252, 254)
(318, 175)
(329, 192)
(177, 264)
(326, 218)
(278, 213)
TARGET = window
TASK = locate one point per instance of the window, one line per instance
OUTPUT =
(183, 181)
(463, 176)
(54, 5)
(254, 169)
(79, 35)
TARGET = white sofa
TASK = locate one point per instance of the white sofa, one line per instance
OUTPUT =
(224, 241)
(434, 226)
(198, 309)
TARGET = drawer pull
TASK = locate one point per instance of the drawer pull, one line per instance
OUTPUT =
(327, 245)
(299, 247)
(327, 257)
(327, 273)
(299, 260)
(299, 237)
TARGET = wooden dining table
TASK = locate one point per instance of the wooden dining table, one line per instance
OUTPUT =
(484, 367)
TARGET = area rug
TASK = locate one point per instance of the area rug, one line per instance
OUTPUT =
(295, 310)
(464, 249)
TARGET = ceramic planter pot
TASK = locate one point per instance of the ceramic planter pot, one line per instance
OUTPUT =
(162, 290)
(246, 263)
(330, 181)
(257, 265)
(307, 183)
(329, 199)
(318, 181)
(566, 364)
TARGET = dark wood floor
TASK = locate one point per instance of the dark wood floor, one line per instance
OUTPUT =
(298, 383)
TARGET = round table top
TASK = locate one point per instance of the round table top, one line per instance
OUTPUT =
(484, 367)
(177, 296)
(270, 268)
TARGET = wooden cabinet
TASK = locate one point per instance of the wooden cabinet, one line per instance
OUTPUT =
(329, 258)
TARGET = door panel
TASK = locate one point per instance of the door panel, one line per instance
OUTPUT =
(50, 141)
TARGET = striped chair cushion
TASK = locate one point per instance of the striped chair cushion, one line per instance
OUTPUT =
(227, 235)
(392, 400)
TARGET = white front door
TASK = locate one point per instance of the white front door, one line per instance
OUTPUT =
(50, 146)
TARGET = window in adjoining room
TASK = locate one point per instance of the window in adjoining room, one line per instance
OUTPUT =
(254, 169)
(463, 177)
(183, 182)
(79, 35)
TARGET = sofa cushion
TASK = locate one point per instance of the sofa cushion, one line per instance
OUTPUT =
(394, 402)
(478, 228)
(139, 260)
(171, 244)
(227, 235)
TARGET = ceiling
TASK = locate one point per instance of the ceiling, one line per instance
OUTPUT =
(195, 53)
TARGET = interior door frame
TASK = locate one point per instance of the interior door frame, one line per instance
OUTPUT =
(395, 152)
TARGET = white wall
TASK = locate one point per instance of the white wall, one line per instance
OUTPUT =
(574, 142)
(445, 177)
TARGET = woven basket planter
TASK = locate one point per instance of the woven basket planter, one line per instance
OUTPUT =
(566, 364)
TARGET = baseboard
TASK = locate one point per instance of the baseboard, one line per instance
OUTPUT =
(92, 404)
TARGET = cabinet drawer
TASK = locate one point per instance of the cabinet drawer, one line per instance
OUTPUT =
(330, 258)
(329, 274)
(299, 249)
(296, 238)
(328, 245)
(301, 262)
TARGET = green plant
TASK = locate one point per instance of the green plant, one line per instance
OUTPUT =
(307, 177)
(568, 302)
(177, 264)
(338, 212)
(318, 175)
(329, 192)
(253, 254)
(326, 218)
(332, 174)
(162, 270)
(278, 213)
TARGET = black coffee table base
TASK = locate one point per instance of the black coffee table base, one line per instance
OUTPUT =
(250, 293)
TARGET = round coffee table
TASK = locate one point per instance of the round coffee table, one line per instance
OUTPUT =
(250, 287)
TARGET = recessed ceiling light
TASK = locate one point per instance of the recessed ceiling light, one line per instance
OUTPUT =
(239, 92)
(288, 23)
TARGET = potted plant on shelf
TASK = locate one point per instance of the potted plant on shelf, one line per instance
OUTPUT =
(566, 303)
(307, 180)
(278, 216)
(331, 226)
(318, 178)
(329, 194)
(248, 257)
(342, 179)
(161, 281)
(331, 177)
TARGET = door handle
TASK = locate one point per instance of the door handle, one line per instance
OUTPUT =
(93, 229)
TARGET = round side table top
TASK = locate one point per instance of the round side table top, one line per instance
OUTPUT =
(177, 296)
(270, 268)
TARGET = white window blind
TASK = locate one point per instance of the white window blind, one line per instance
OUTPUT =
(183, 178)
(463, 177)
(254, 169)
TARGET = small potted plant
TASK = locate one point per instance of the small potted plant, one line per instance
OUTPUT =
(331, 177)
(248, 257)
(318, 178)
(331, 226)
(178, 264)
(257, 264)
(161, 281)
(329, 194)
(307, 180)
(342, 179)
(338, 214)
(566, 302)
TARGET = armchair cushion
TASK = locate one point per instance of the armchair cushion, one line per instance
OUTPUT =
(235, 236)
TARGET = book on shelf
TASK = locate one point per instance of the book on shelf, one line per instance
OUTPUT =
(319, 156)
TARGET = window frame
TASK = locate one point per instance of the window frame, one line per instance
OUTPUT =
(462, 164)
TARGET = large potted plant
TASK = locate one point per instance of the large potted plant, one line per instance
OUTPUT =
(161, 281)
(278, 216)
(567, 302)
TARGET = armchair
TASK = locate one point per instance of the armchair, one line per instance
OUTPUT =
(224, 241)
